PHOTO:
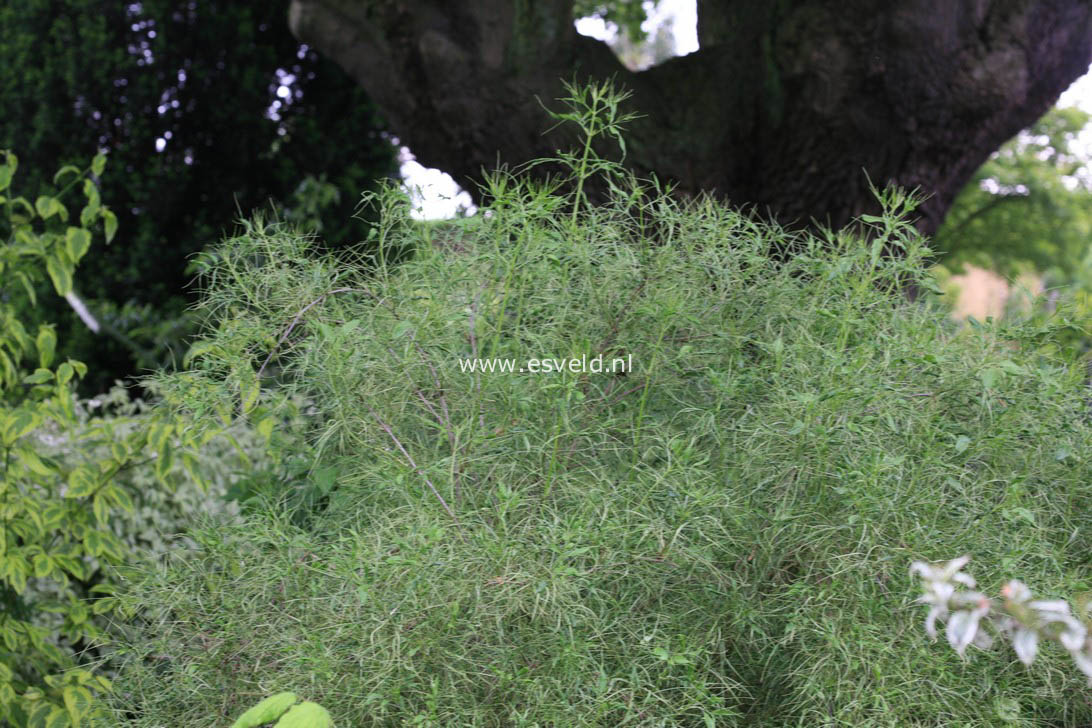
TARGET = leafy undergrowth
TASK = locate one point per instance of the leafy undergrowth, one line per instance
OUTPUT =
(720, 536)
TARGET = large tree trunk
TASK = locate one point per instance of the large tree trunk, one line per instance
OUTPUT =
(786, 106)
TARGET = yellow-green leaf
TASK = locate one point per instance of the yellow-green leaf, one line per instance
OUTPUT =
(40, 376)
(18, 423)
(163, 461)
(42, 566)
(98, 164)
(13, 569)
(64, 373)
(67, 169)
(109, 224)
(92, 542)
(158, 434)
(223, 411)
(189, 462)
(305, 715)
(119, 452)
(62, 397)
(100, 508)
(88, 215)
(53, 514)
(82, 482)
(79, 701)
(27, 286)
(60, 274)
(32, 462)
(104, 605)
(111, 547)
(47, 206)
(58, 718)
(266, 711)
(7, 170)
(249, 389)
(119, 496)
(265, 428)
(77, 241)
(47, 345)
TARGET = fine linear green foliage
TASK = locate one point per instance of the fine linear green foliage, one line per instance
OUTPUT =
(718, 537)
(73, 496)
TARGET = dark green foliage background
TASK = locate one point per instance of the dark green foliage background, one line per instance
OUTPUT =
(74, 78)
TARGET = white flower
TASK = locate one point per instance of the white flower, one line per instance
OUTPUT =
(963, 625)
(943, 572)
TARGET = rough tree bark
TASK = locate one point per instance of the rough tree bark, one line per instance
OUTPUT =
(785, 106)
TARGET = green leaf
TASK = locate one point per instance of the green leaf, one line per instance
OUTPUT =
(92, 542)
(265, 428)
(121, 497)
(40, 376)
(109, 224)
(47, 206)
(67, 169)
(77, 241)
(101, 508)
(7, 170)
(64, 373)
(990, 376)
(18, 423)
(266, 711)
(249, 389)
(158, 434)
(104, 605)
(88, 215)
(61, 275)
(1012, 367)
(53, 514)
(91, 192)
(25, 204)
(962, 443)
(58, 718)
(32, 462)
(305, 715)
(28, 287)
(13, 569)
(98, 164)
(79, 701)
(43, 565)
(47, 345)
(82, 482)
(189, 462)
(163, 461)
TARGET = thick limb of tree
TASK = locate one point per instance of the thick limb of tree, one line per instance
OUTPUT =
(786, 106)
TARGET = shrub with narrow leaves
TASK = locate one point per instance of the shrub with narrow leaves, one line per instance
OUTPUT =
(712, 537)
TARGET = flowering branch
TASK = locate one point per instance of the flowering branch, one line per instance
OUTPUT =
(1023, 620)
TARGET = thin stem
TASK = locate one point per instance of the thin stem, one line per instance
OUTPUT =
(296, 320)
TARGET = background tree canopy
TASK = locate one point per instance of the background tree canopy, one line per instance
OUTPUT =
(782, 107)
(1028, 206)
(207, 109)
